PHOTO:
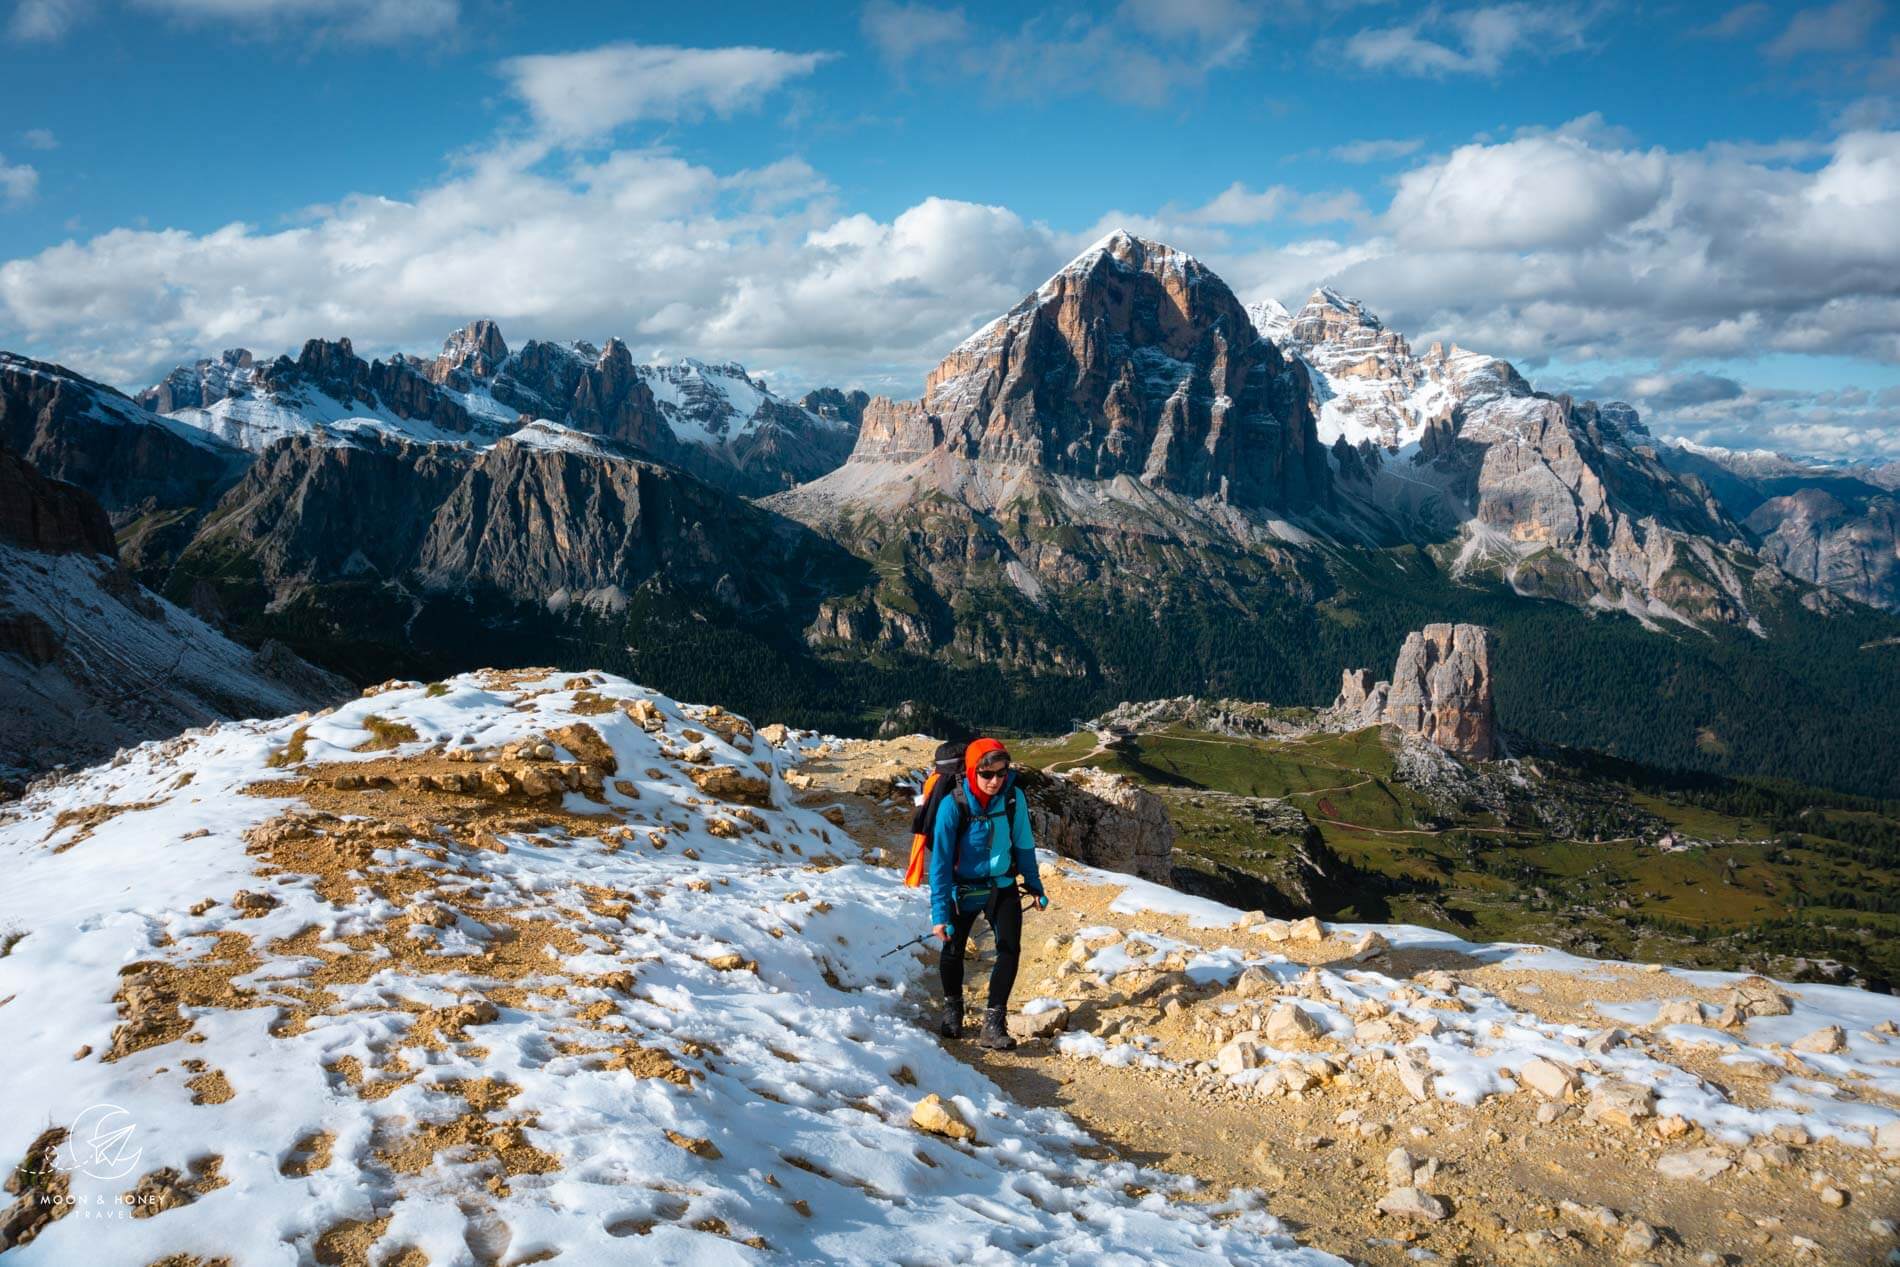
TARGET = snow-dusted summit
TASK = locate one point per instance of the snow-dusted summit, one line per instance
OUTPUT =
(715, 420)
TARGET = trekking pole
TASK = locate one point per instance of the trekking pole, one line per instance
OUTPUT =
(921, 937)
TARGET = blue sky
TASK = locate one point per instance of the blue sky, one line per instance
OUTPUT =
(1694, 206)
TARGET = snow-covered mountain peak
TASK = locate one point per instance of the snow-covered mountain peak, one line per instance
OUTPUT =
(714, 419)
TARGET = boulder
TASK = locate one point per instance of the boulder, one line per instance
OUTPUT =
(1307, 929)
(1414, 1070)
(1236, 1056)
(1679, 1012)
(729, 783)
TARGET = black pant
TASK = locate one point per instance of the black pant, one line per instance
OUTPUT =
(1005, 912)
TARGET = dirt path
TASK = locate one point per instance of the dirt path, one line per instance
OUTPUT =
(1520, 1189)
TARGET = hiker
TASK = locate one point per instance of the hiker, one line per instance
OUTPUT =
(979, 844)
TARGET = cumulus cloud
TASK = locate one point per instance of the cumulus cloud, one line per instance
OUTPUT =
(1470, 41)
(18, 183)
(39, 139)
(1714, 409)
(1554, 190)
(755, 265)
(590, 93)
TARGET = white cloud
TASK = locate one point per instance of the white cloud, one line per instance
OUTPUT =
(39, 139)
(590, 93)
(18, 182)
(1376, 151)
(1538, 191)
(1834, 28)
(1470, 41)
(1737, 21)
(45, 20)
(754, 265)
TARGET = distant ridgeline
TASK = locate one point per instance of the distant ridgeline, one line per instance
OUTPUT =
(1128, 486)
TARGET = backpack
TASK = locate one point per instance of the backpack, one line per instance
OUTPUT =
(946, 769)
(946, 780)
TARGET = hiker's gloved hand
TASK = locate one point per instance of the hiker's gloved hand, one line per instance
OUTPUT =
(940, 931)
(1042, 899)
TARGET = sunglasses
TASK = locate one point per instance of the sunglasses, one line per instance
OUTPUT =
(991, 771)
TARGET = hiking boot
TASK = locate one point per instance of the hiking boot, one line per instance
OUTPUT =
(950, 1025)
(995, 1034)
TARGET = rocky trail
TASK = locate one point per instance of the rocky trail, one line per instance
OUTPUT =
(533, 967)
(1690, 1157)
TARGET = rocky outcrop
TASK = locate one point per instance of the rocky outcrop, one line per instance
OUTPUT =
(1106, 820)
(1135, 360)
(1847, 544)
(89, 659)
(396, 386)
(1563, 499)
(370, 531)
(199, 385)
(85, 433)
(474, 352)
(1440, 691)
(49, 515)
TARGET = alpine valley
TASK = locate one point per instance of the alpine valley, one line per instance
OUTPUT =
(1129, 486)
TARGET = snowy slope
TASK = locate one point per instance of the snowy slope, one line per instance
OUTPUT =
(643, 1024)
(1371, 387)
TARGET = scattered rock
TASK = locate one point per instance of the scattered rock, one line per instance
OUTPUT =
(1410, 1203)
(1701, 1164)
(1287, 1023)
(1548, 1078)
(253, 904)
(1621, 1104)
(1638, 1238)
(1307, 929)
(1822, 1042)
(1414, 1070)
(938, 1116)
(1039, 1024)
(1399, 1166)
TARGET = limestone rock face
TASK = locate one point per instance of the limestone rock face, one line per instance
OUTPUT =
(1850, 545)
(1106, 820)
(1440, 691)
(73, 429)
(475, 351)
(1135, 360)
(49, 515)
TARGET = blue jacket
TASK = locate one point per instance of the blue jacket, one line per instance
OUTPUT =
(988, 850)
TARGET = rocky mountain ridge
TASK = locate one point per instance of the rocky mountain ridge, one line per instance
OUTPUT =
(89, 659)
(714, 420)
(1834, 525)
(1561, 498)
